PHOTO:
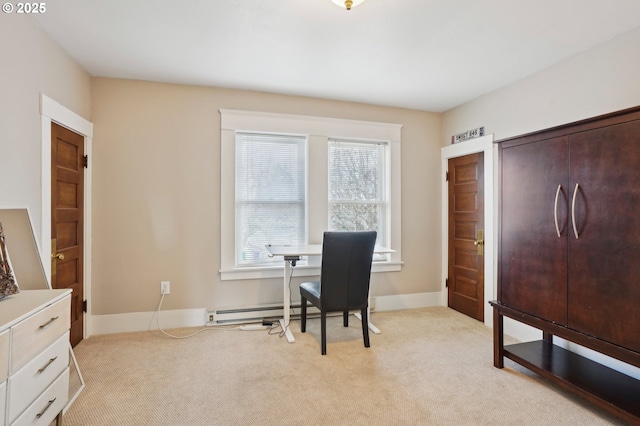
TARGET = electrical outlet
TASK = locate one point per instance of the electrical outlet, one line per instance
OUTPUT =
(165, 287)
(209, 318)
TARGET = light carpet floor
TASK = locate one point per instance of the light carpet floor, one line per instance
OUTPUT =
(430, 366)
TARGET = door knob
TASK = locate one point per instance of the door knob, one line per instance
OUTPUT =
(480, 243)
(55, 256)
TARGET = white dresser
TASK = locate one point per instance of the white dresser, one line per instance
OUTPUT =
(34, 356)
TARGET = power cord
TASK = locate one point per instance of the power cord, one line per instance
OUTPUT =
(192, 334)
(217, 328)
(270, 329)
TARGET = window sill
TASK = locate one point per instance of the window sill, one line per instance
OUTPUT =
(298, 271)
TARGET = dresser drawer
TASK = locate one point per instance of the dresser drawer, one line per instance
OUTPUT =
(4, 355)
(48, 405)
(38, 331)
(28, 382)
(3, 395)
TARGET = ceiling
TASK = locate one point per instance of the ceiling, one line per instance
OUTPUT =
(428, 55)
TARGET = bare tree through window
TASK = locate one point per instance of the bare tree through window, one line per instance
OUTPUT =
(357, 187)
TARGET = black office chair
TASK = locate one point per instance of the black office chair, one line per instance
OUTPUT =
(344, 280)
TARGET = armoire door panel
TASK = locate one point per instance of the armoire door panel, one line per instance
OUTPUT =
(604, 267)
(534, 206)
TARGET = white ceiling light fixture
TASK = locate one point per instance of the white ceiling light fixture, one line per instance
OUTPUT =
(347, 4)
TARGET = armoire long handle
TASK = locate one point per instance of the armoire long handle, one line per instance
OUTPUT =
(573, 210)
(555, 211)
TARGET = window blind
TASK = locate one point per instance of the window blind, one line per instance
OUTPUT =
(270, 194)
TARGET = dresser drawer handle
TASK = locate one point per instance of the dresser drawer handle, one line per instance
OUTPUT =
(41, 413)
(44, 367)
(48, 323)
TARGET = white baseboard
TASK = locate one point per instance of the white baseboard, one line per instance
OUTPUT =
(143, 321)
(408, 301)
(521, 331)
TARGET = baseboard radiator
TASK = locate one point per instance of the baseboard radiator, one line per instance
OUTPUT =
(252, 314)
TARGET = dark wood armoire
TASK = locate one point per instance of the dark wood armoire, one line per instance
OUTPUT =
(569, 254)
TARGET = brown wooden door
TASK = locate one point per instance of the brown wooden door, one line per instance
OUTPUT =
(466, 221)
(533, 251)
(604, 263)
(67, 214)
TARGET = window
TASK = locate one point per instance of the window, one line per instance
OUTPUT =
(358, 187)
(285, 179)
(270, 194)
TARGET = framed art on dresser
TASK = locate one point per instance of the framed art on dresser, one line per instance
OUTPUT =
(8, 282)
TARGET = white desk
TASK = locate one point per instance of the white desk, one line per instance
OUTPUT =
(292, 254)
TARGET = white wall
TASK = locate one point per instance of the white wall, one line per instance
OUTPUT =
(31, 64)
(598, 81)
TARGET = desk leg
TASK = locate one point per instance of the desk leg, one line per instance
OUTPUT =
(286, 321)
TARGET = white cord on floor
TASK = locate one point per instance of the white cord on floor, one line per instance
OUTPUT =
(189, 335)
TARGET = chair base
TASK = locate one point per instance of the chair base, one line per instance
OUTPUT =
(323, 324)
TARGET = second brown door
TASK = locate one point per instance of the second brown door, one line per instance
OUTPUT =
(466, 235)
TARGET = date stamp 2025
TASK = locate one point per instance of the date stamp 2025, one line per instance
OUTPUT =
(24, 8)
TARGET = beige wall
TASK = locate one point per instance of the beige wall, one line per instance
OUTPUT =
(157, 182)
(156, 194)
(31, 64)
(598, 81)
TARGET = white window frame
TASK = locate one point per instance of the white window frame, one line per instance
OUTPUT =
(318, 130)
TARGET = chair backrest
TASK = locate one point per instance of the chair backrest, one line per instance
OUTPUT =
(346, 269)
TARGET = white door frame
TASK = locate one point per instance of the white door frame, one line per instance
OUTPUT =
(482, 144)
(52, 111)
